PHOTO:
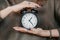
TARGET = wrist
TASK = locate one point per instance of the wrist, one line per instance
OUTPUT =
(5, 12)
(50, 33)
(45, 33)
(17, 8)
(55, 33)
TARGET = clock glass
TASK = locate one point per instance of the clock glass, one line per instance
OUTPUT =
(29, 20)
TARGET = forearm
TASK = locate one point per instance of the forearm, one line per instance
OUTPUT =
(46, 33)
(5, 12)
(8, 10)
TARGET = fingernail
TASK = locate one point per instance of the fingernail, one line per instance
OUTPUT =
(15, 28)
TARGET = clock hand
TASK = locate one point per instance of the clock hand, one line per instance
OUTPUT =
(30, 18)
(30, 21)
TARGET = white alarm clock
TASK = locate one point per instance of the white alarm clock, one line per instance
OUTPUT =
(29, 18)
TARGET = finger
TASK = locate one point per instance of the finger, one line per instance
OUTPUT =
(31, 32)
(33, 29)
(20, 29)
(25, 1)
(39, 28)
(35, 4)
(36, 30)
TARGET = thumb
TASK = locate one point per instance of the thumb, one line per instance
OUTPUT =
(20, 29)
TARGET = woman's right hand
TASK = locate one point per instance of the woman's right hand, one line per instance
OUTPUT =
(24, 4)
(17, 7)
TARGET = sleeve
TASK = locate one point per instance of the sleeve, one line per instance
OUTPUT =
(57, 14)
(57, 10)
(1, 19)
(59, 34)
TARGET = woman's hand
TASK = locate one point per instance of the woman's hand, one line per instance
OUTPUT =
(17, 7)
(39, 32)
(24, 4)
(36, 31)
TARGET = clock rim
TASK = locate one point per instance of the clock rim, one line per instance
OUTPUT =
(27, 13)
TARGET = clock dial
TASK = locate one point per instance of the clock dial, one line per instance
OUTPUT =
(29, 20)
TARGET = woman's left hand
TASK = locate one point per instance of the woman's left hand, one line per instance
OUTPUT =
(39, 31)
(36, 31)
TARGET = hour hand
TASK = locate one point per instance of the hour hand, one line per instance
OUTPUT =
(30, 21)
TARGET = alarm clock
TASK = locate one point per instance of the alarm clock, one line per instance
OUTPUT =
(29, 18)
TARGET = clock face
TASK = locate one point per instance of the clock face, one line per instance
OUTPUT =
(29, 20)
